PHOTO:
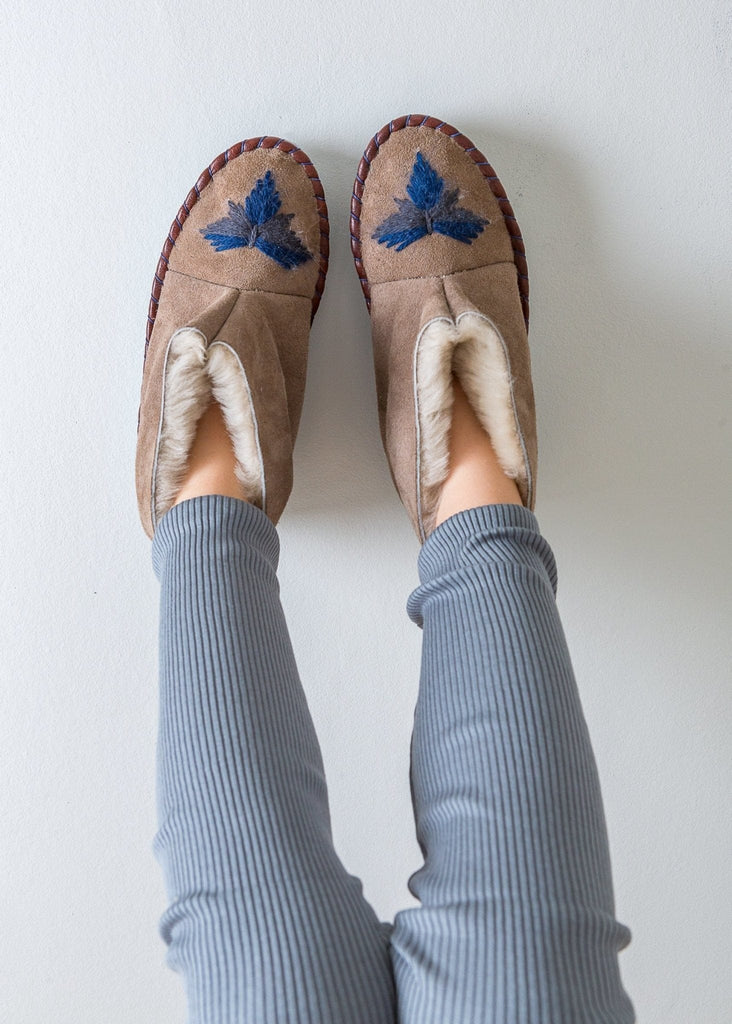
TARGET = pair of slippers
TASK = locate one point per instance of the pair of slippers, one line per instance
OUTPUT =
(442, 266)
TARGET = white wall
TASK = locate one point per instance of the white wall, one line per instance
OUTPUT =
(606, 123)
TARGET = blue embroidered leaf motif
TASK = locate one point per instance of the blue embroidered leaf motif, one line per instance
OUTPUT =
(263, 201)
(257, 223)
(430, 207)
(425, 186)
(232, 232)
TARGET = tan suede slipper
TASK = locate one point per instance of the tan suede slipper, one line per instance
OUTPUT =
(441, 262)
(236, 288)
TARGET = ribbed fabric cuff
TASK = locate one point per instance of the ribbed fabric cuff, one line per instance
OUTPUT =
(505, 533)
(208, 521)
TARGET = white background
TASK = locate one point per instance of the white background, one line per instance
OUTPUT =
(608, 126)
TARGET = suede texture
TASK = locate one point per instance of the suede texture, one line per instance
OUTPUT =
(249, 269)
(436, 254)
(269, 333)
(493, 291)
(245, 299)
(437, 277)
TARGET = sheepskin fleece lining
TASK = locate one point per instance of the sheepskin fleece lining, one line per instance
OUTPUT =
(231, 390)
(193, 374)
(472, 348)
(186, 397)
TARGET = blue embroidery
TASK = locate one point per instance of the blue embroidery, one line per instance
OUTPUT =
(257, 223)
(430, 208)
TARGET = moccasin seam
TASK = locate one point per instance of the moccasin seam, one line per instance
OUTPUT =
(489, 175)
(444, 277)
(204, 179)
(240, 291)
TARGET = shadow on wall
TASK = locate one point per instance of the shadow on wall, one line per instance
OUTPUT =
(628, 372)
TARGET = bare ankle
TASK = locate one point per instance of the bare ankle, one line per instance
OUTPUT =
(475, 476)
(211, 465)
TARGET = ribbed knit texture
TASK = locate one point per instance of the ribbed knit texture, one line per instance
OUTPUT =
(517, 920)
(264, 922)
(516, 923)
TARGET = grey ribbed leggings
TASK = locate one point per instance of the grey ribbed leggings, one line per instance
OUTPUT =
(516, 923)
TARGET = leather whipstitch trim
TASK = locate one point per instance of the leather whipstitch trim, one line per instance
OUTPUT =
(259, 222)
(424, 120)
(204, 179)
(428, 207)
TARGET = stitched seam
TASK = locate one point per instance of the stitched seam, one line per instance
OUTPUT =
(246, 145)
(241, 291)
(411, 121)
(203, 280)
(443, 277)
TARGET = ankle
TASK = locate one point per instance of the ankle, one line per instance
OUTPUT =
(212, 463)
(475, 475)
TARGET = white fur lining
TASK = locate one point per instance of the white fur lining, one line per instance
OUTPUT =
(186, 396)
(231, 390)
(193, 374)
(473, 349)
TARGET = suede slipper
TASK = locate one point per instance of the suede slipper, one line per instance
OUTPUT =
(235, 291)
(441, 262)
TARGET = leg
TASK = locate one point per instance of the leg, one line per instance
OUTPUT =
(264, 922)
(475, 476)
(517, 918)
(211, 465)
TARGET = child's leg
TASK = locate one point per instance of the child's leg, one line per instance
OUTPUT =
(517, 920)
(264, 922)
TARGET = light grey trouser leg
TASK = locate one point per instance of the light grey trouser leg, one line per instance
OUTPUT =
(516, 924)
(517, 920)
(264, 923)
